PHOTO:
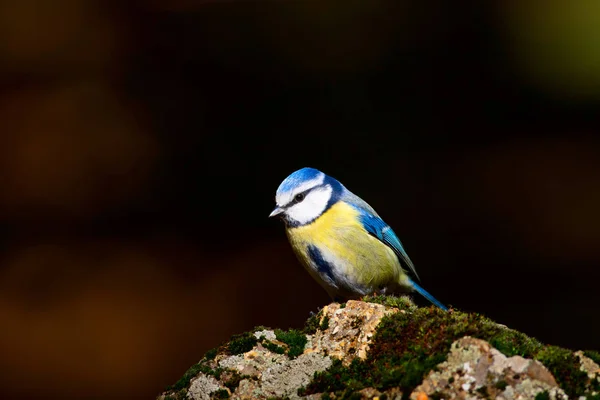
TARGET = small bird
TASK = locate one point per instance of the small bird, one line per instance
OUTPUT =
(341, 241)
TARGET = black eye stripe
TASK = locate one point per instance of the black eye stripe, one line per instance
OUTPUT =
(303, 194)
(299, 197)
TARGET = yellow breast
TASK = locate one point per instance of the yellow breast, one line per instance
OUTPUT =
(358, 257)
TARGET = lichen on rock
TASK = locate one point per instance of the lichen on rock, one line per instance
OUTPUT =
(475, 369)
(203, 387)
(349, 330)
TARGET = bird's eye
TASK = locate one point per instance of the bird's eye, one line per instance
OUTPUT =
(299, 197)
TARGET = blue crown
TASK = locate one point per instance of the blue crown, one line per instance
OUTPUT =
(297, 178)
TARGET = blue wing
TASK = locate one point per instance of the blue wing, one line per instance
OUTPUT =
(376, 227)
(382, 231)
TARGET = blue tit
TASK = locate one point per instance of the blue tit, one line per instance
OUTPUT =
(341, 241)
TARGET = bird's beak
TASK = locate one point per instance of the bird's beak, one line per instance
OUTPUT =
(276, 212)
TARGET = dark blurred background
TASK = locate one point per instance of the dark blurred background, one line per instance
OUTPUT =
(142, 142)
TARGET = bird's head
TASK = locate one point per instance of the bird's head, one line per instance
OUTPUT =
(304, 195)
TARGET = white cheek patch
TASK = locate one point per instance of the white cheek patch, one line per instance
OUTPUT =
(285, 198)
(312, 206)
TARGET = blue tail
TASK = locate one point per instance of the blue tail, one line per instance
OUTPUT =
(426, 294)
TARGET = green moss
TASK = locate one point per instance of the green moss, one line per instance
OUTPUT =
(242, 343)
(501, 385)
(212, 372)
(211, 354)
(595, 385)
(261, 328)
(402, 302)
(483, 392)
(273, 347)
(184, 381)
(542, 395)
(331, 380)
(594, 355)
(354, 396)
(180, 395)
(296, 340)
(564, 365)
(437, 396)
(312, 324)
(513, 343)
(220, 394)
(324, 323)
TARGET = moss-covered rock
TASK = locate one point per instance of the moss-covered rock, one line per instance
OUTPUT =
(387, 347)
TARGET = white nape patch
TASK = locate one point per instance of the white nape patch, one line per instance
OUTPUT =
(283, 199)
(312, 206)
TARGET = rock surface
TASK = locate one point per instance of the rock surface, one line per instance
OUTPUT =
(588, 366)
(475, 369)
(336, 357)
(349, 329)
